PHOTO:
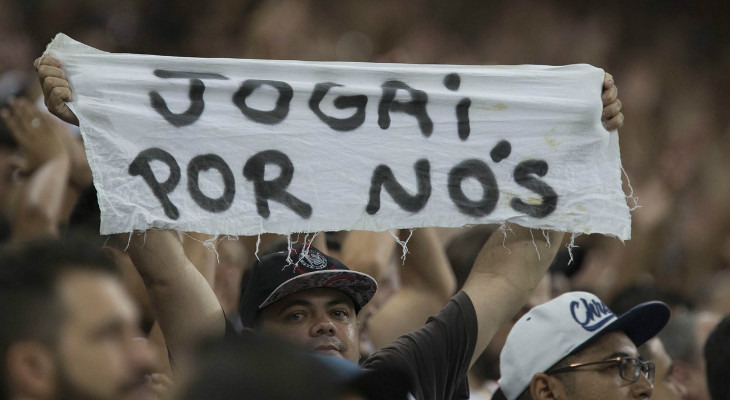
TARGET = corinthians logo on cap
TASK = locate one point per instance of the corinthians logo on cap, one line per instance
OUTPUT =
(590, 315)
(312, 260)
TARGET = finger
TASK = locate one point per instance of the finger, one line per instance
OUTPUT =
(9, 121)
(51, 74)
(48, 66)
(614, 123)
(56, 101)
(609, 95)
(50, 71)
(48, 60)
(23, 113)
(50, 83)
(6, 117)
(611, 110)
(16, 117)
(56, 104)
(608, 81)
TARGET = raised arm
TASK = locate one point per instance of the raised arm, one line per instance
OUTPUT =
(509, 267)
(368, 252)
(427, 283)
(505, 273)
(43, 200)
(184, 301)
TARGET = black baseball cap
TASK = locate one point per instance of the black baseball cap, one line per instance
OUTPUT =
(281, 274)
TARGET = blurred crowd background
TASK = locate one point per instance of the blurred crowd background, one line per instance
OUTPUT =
(670, 60)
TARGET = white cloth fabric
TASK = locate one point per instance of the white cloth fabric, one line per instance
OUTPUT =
(249, 146)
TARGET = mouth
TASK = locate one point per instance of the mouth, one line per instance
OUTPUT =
(328, 349)
(137, 388)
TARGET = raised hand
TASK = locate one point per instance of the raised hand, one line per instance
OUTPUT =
(38, 135)
(612, 117)
(56, 89)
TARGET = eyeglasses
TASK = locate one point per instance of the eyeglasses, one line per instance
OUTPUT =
(629, 368)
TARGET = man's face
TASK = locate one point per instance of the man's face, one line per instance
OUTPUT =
(603, 381)
(322, 320)
(666, 386)
(100, 355)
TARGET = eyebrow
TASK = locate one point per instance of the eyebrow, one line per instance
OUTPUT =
(292, 303)
(307, 303)
(115, 323)
(619, 354)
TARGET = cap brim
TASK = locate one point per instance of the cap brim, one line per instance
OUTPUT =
(640, 323)
(357, 285)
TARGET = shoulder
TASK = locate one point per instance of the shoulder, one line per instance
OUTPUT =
(443, 347)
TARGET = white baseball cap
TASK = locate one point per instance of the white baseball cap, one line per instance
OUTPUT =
(551, 331)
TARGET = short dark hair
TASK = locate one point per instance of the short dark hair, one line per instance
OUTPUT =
(717, 360)
(261, 367)
(567, 379)
(29, 273)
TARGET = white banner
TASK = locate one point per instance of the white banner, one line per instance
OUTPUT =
(243, 147)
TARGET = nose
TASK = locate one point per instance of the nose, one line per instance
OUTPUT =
(142, 356)
(642, 388)
(323, 326)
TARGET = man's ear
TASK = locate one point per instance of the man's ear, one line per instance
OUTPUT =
(545, 387)
(681, 371)
(31, 370)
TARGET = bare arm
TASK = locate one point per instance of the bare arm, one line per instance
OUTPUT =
(368, 252)
(427, 283)
(184, 302)
(505, 273)
(201, 256)
(509, 268)
(44, 200)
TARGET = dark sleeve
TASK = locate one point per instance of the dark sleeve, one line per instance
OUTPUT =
(436, 357)
(230, 329)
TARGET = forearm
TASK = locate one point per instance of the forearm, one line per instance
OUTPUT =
(427, 268)
(427, 283)
(505, 273)
(184, 302)
(200, 255)
(368, 252)
(40, 206)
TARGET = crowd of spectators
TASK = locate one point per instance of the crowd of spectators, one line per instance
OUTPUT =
(669, 60)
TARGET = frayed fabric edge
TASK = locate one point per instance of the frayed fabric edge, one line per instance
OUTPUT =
(403, 243)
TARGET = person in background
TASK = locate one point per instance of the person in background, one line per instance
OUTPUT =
(717, 360)
(574, 347)
(68, 329)
(684, 339)
(666, 386)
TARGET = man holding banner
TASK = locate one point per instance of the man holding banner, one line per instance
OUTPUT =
(320, 313)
